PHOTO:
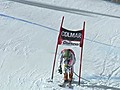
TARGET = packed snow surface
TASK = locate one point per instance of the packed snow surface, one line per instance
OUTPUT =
(28, 38)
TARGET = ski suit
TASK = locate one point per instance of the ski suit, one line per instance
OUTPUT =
(67, 64)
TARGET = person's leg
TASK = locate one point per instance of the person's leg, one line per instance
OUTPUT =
(65, 77)
(70, 75)
(65, 74)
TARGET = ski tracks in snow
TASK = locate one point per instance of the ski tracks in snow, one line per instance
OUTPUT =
(18, 45)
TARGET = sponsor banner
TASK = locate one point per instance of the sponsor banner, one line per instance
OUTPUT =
(71, 35)
(70, 43)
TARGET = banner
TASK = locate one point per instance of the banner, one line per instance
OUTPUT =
(69, 37)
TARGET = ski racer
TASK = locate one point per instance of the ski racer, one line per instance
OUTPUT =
(66, 62)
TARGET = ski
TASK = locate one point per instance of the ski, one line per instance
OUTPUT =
(65, 85)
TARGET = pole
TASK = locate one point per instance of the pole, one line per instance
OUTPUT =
(81, 77)
(56, 49)
(80, 70)
(80, 65)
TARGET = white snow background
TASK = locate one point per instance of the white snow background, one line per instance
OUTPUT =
(28, 37)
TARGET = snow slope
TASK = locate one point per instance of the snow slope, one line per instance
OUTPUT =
(28, 35)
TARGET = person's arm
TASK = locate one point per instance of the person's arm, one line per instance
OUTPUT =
(61, 60)
(60, 64)
(73, 60)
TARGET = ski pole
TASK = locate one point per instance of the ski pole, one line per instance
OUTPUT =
(81, 77)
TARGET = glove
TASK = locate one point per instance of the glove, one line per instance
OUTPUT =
(60, 69)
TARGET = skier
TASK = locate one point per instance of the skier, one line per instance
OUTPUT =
(66, 62)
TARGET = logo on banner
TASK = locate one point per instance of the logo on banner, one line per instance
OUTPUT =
(70, 43)
(71, 35)
(68, 37)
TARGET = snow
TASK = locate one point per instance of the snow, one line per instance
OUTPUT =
(28, 36)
